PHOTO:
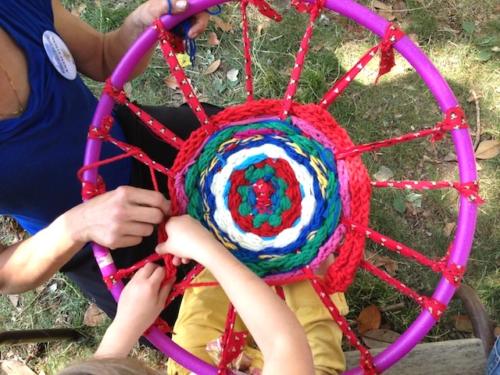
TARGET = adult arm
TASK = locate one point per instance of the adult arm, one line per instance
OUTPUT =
(96, 54)
(115, 219)
(273, 326)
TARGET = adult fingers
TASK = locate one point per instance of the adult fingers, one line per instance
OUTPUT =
(151, 215)
(143, 197)
(200, 24)
(146, 271)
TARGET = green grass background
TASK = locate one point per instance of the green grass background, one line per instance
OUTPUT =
(460, 37)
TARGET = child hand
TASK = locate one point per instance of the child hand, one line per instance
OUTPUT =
(142, 300)
(187, 239)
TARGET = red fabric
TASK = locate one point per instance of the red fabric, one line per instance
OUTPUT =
(392, 35)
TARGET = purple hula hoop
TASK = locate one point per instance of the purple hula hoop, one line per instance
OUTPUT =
(463, 146)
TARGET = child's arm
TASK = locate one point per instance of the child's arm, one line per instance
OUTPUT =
(140, 303)
(273, 326)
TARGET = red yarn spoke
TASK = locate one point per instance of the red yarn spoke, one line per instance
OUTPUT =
(434, 307)
(366, 359)
(392, 245)
(470, 190)
(454, 120)
(178, 73)
(341, 85)
(392, 35)
(299, 60)
(179, 288)
(153, 124)
(140, 155)
(232, 342)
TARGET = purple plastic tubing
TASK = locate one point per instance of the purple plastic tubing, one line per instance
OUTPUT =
(445, 99)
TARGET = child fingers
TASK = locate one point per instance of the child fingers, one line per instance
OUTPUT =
(157, 276)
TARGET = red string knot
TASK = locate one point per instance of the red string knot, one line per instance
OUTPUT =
(433, 306)
(392, 35)
(117, 95)
(91, 190)
(110, 281)
(453, 273)
(454, 119)
(470, 190)
(102, 131)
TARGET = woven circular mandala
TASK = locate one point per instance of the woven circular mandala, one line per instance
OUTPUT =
(268, 191)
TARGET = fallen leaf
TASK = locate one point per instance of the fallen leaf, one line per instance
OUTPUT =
(488, 149)
(380, 5)
(128, 89)
(369, 318)
(399, 204)
(450, 157)
(390, 265)
(14, 299)
(12, 367)
(212, 67)
(94, 316)
(213, 40)
(463, 323)
(79, 10)
(232, 75)
(221, 24)
(383, 174)
(184, 60)
(380, 338)
(448, 229)
(171, 83)
(262, 26)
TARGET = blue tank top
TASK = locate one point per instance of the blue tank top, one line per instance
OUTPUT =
(42, 149)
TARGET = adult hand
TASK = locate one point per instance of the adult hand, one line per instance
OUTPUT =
(119, 218)
(187, 239)
(142, 300)
(146, 13)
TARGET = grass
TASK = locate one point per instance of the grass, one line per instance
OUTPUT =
(458, 35)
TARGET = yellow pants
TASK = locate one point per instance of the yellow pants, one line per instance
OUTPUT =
(203, 313)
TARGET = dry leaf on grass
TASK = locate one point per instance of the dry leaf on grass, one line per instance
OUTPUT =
(232, 75)
(380, 338)
(212, 67)
(448, 229)
(213, 40)
(171, 83)
(369, 319)
(383, 174)
(390, 265)
(463, 323)
(488, 149)
(94, 316)
(14, 299)
(221, 24)
(12, 367)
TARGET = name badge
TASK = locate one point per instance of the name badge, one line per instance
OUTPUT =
(59, 55)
